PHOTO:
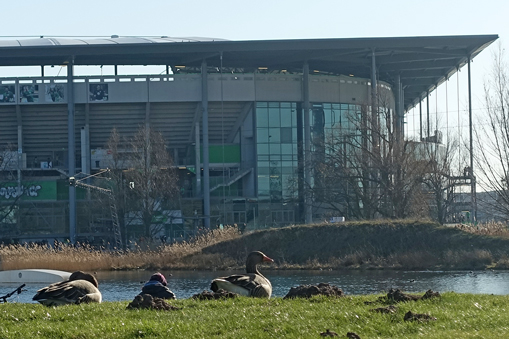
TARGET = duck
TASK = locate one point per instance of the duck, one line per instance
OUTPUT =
(251, 284)
(80, 288)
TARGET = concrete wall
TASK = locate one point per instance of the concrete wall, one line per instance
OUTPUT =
(39, 105)
(187, 88)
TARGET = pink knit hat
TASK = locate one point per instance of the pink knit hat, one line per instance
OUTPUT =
(159, 277)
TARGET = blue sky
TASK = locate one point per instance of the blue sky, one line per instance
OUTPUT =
(263, 19)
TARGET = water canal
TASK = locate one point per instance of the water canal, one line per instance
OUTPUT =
(124, 285)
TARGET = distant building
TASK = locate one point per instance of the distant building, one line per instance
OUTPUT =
(250, 107)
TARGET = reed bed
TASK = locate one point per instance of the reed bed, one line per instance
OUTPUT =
(492, 228)
(188, 254)
(70, 258)
(66, 258)
(404, 245)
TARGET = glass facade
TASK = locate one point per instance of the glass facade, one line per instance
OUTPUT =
(277, 154)
(335, 118)
(277, 159)
(332, 126)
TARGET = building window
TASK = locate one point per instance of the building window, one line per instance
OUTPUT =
(276, 130)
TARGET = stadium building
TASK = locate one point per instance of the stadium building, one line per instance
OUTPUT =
(238, 117)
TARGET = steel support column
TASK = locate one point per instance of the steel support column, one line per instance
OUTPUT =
(88, 166)
(401, 115)
(71, 149)
(473, 203)
(374, 89)
(307, 145)
(197, 158)
(205, 136)
(427, 117)
(148, 159)
(374, 102)
(374, 93)
(420, 119)
(397, 99)
(85, 142)
(19, 119)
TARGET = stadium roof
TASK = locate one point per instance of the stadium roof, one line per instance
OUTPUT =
(422, 62)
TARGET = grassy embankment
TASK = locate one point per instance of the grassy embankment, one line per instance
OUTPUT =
(458, 316)
(355, 245)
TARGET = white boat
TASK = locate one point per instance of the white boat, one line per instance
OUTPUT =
(33, 276)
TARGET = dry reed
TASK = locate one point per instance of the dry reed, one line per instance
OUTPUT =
(489, 228)
(191, 255)
(188, 254)
(86, 258)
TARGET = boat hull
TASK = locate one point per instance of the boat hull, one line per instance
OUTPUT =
(33, 276)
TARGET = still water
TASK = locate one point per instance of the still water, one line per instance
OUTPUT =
(123, 286)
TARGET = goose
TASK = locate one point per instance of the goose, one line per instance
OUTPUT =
(80, 288)
(251, 284)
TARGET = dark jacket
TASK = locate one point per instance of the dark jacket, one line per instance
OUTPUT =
(156, 289)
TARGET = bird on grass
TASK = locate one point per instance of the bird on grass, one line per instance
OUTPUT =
(251, 284)
(80, 288)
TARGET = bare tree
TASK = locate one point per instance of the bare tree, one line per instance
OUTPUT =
(439, 179)
(11, 192)
(119, 186)
(143, 181)
(492, 138)
(153, 181)
(367, 170)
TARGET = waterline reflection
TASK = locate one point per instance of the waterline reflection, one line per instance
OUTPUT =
(124, 285)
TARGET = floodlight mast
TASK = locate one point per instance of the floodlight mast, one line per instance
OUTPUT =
(113, 205)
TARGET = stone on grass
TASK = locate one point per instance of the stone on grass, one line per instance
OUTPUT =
(219, 294)
(398, 296)
(388, 309)
(146, 301)
(307, 291)
(328, 333)
(410, 316)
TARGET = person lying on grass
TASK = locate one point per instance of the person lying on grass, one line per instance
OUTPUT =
(157, 287)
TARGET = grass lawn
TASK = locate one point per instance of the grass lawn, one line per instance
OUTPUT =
(458, 316)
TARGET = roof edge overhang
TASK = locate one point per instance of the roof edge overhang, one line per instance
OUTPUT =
(428, 60)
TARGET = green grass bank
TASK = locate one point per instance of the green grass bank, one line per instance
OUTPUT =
(457, 316)
(387, 244)
(408, 245)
